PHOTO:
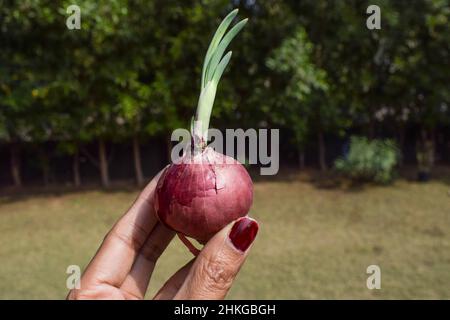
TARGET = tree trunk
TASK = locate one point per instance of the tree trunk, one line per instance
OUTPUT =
(103, 161)
(137, 162)
(44, 166)
(371, 126)
(301, 159)
(76, 169)
(15, 167)
(321, 145)
(371, 130)
(401, 142)
(45, 174)
(169, 149)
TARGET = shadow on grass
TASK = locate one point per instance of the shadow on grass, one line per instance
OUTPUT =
(326, 180)
(329, 180)
(439, 173)
(11, 195)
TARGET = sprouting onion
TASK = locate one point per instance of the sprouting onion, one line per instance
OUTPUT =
(206, 190)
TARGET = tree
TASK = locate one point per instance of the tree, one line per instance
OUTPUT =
(423, 46)
(295, 107)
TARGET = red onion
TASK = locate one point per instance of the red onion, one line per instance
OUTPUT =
(198, 197)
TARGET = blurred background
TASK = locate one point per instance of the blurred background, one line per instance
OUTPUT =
(86, 117)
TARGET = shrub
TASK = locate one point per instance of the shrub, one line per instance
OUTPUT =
(369, 160)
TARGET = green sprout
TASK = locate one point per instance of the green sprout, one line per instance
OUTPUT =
(213, 68)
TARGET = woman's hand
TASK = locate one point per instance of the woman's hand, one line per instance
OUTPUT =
(123, 265)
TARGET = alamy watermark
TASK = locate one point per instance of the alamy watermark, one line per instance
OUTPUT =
(73, 22)
(248, 147)
(374, 20)
(73, 280)
(374, 280)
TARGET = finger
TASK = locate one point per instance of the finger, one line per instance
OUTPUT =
(171, 287)
(215, 268)
(136, 283)
(116, 255)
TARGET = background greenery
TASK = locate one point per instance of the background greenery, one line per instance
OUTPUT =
(366, 160)
(311, 68)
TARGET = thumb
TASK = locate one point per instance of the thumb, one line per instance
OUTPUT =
(215, 268)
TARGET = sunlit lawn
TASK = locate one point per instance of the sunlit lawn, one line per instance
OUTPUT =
(313, 242)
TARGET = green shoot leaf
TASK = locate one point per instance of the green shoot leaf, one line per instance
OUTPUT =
(213, 68)
(221, 67)
(217, 55)
(215, 42)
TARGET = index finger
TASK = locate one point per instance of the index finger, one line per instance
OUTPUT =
(115, 257)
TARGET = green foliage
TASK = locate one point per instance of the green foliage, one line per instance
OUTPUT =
(294, 57)
(133, 68)
(369, 160)
(303, 79)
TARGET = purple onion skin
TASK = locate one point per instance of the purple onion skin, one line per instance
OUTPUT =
(198, 199)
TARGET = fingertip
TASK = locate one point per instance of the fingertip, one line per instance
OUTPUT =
(243, 233)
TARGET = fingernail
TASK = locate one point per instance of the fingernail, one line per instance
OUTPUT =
(243, 233)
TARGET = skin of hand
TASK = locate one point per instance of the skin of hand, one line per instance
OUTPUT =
(123, 265)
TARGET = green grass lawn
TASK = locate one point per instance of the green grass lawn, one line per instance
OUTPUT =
(313, 243)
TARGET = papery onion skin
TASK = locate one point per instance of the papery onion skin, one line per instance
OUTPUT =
(199, 196)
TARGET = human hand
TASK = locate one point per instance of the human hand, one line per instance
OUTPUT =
(124, 263)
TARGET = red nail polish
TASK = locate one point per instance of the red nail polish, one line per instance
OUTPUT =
(243, 233)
